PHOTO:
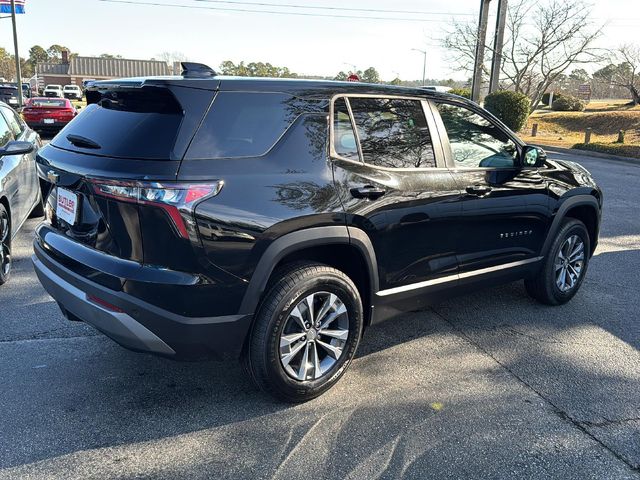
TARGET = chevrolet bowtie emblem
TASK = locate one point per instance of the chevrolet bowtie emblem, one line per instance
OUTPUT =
(53, 176)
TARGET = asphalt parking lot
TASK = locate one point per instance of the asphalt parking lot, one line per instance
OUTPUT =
(492, 385)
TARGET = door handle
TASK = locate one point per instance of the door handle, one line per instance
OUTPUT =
(478, 190)
(368, 191)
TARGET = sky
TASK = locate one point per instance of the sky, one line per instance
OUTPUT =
(311, 45)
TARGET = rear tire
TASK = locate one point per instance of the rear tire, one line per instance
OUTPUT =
(5, 245)
(565, 266)
(305, 333)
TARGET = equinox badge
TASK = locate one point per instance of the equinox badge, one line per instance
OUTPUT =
(521, 233)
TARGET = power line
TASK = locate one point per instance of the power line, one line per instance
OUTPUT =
(344, 9)
(271, 12)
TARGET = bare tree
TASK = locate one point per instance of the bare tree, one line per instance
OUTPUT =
(542, 40)
(171, 58)
(627, 73)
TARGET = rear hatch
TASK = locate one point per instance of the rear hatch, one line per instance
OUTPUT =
(129, 136)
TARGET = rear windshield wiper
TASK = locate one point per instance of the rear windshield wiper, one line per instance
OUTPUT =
(83, 142)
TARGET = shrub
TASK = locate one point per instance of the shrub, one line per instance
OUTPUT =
(611, 148)
(463, 92)
(568, 104)
(510, 107)
(545, 97)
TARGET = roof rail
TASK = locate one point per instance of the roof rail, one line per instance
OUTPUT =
(190, 69)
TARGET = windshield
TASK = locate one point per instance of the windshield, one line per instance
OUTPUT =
(71, 87)
(48, 102)
(53, 87)
(8, 90)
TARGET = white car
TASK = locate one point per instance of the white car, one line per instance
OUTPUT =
(72, 92)
(53, 91)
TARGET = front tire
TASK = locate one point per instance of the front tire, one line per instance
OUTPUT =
(306, 332)
(565, 266)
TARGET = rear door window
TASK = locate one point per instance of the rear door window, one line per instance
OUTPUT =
(243, 124)
(344, 138)
(393, 132)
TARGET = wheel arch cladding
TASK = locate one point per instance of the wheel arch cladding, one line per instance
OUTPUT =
(333, 245)
(581, 207)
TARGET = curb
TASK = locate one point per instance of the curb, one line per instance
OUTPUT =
(589, 153)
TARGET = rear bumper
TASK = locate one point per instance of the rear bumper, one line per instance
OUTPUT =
(137, 325)
(46, 126)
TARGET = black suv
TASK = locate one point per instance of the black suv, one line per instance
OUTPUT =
(275, 220)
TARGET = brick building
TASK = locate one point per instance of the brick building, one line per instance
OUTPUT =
(72, 71)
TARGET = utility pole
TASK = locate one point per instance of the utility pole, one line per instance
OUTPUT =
(480, 45)
(15, 44)
(498, 39)
(424, 65)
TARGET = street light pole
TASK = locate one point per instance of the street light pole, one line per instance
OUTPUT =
(15, 44)
(424, 64)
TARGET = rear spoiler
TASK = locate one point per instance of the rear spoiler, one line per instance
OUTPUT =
(201, 79)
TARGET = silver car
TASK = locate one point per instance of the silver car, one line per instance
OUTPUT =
(20, 194)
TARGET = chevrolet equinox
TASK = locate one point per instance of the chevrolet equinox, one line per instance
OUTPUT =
(274, 220)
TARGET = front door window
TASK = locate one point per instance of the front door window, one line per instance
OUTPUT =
(476, 142)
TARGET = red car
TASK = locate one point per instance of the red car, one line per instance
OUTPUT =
(42, 113)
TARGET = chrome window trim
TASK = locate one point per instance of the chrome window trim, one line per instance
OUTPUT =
(457, 276)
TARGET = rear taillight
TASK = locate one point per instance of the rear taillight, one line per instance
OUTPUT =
(66, 113)
(178, 200)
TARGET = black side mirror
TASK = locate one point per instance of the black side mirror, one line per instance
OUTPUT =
(17, 148)
(533, 156)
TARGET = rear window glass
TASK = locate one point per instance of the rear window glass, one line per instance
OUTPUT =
(243, 124)
(140, 123)
(9, 90)
(49, 102)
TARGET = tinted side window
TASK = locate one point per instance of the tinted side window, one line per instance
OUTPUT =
(476, 142)
(242, 124)
(393, 132)
(15, 122)
(344, 138)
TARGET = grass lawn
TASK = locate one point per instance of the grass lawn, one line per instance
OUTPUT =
(606, 119)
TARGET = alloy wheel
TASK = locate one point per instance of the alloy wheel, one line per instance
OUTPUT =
(314, 336)
(569, 263)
